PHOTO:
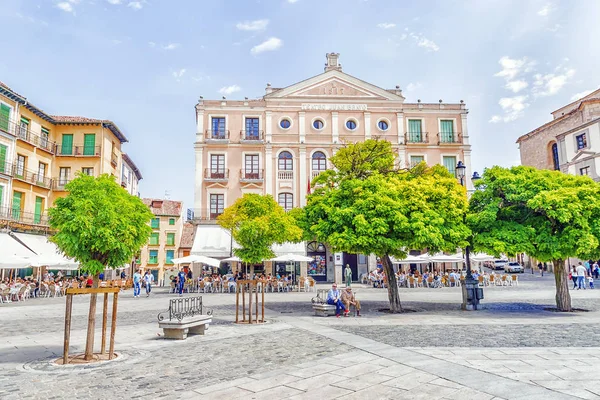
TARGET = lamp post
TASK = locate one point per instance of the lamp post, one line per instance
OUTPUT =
(471, 291)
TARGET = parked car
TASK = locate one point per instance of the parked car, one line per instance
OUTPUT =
(514, 267)
(499, 264)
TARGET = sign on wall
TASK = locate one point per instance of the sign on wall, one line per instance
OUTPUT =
(338, 259)
(334, 107)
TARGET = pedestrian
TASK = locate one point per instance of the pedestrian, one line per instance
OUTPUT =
(581, 273)
(348, 275)
(123, 275)
(148, 280)
(334, 298)
(590, 282)
(595, 270)
(180, 282)
(541, 268)
(137, 280)
(573, 277)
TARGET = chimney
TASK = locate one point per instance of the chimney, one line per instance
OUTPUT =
(268, 89)
(332, 62)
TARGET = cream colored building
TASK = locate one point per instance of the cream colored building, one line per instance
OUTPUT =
(276, 144)
(130, 176)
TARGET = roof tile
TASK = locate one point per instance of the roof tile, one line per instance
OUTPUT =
(168, 207)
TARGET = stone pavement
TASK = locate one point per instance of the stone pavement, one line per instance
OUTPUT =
(512, 349)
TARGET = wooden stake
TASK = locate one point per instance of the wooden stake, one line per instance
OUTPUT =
(113, 326)
(256, 313)
(237, 302)
(263, 306)
(243, 303)
(104, 317)
(250, 300)
(67, 329)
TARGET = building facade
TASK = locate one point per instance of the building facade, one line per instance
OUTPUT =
(278, 143)
(570, 142)
(40, 153)
(163, 245)
(130, 176)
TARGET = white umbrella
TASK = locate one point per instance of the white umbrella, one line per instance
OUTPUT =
(292, 258)
(213, 262)
(14, 262)
(445, 258)
(232, 259)
(410, 260)
(54, 262)
(481, 257)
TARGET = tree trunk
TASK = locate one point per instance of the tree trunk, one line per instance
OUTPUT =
(393, 294)
(89, 343)
(561, 277)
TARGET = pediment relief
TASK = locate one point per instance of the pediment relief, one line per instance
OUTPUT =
(335, 88)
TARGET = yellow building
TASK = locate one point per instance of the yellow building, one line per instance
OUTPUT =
(40, 153)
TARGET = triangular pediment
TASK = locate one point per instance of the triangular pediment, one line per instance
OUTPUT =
(583, 154)
(335, 84)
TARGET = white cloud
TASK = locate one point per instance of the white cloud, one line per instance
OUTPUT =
(550, 84)
(66, 7)
(116, 41)
(424, 42)
(227, 90)
(114, 2)
(270, 44)
(413, 86)
(580, 95)
(151, 44)
(555, 28)
(516, 86)
(513, 108)
(495, 119)
(256, 25)
(136, 5)
(547, 9)
(171, 46)
(292, 1)
(512, 67)
(179, 74)
(386, 25)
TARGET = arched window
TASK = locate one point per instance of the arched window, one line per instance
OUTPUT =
(555, 160)
(319, 161)
(285, 162)
(286, 200)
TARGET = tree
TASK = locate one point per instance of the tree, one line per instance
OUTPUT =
(548, 215)
(367, 205)
(101, 226)
(256, 223)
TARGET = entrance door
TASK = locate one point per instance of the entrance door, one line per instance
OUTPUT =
(352, 260)
(317, 269)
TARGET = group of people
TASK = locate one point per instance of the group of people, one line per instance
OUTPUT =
(584, 273)
(139, 280)
(342, 300)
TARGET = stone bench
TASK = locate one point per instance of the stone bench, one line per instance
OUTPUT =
(174, 329)
(324, 310)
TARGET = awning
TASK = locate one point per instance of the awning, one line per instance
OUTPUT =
(47, 253)
(410, 260)
(289, 248)
(13, 254)
(212, 241)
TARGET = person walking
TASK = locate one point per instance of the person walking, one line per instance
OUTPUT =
(137, 280)
(581, 274)
(573, 276)
(180, 282)
(348, 275)
(334, 298)
(148, 279)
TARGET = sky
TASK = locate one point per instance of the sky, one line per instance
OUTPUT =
(144, 64)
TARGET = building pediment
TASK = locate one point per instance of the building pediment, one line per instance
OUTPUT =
(583, 154)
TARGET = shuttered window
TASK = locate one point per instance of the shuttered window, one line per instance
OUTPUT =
(153, 258)
(169, 258)
(3, 151)
(39, 209)
(415, 133)
(4, 116)
(67, 145)
(89, 144)
(447, 131)
(415, 160)
(155, 224)
(170, 239)
(450, 164)
(154, 239)
(16, 205)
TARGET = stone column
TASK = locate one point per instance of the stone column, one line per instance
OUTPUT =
(367, 123)
(269, 178)
(199, 126)
(303, 176)
(302, 126)
(198, 189)
(400, 121)
(335, 138)
(268, 126)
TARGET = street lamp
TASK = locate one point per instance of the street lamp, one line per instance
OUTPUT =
(471, 292)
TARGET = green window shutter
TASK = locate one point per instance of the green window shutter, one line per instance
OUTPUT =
(4, 116)
(67, 145)
(38, 210)
(170, 239)
(153, 258)
(414, 160)
(155, 224)
(447, 133)
(414, 130)
(1, 196)
(89, 144)
(170, 255)
(16, 205)
(3, 150)
(171, 221)
(450, 164)
(154, 239)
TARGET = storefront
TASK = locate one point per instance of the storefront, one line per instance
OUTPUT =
(317, 269)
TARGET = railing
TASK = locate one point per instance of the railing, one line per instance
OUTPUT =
(17, 215)
(185, 307)
(25, 134)
(60, 183)
(285, 175)
(449, 138)
(32, 177)
(78, 150)
(216, 135)
(114, 159)
(315, 173)
(7, 168)
(252, 175)
(416, 137)
(216, 175)
(251, 136)
(206, 214)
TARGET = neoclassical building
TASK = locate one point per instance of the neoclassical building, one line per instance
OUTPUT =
(277, 143)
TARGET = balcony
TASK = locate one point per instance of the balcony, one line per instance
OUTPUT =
(252, 176)
(452, 138)
(252, 137)
(60, 183)
(124, 181)
(206, 216)
(77, 151)
(31, 177)
(22, 217)
(416, 138)
(315, 173)
(220, 136)
(216, 175)
(285, 175)
(25, 134)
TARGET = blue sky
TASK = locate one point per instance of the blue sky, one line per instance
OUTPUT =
(143, 64)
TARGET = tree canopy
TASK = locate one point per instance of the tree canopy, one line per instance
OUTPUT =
(548, 215)
(99, 224)
(256, 223)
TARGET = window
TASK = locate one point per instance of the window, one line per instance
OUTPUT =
(66, 149)
(44, 137)
(89, 144)
(170, 239)
(169, 257)
(154, 238)
(218, 128)
(318, 124)
(285, 162)
(584, 171)
(16, 205)
(4, 116)
(153, 257)
(450, 164)
(383, 125)
(581, 141)
(87, 171)
(20, 172)
(217, 166)
(351, 124)
(171, 221)
(285, 123)
(555, 160)
(63, 175)
(415, 134)
(251, 170)
(252, 128)
(155, 223)
(415, 160)
(41, 172)
(3, 151)
(217, 205)
(286, 200)
(1, 196)
(319, 161)
(39, 209)
(447, 131)
(24, 128)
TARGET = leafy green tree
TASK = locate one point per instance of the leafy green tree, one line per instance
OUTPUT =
(548, 215)
(256, 223)
(101, 226)
(367, 205)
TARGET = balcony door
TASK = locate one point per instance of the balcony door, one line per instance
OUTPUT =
(217, 205)
(217, 166)
(63, 176)
(251, 166)
(252, 129)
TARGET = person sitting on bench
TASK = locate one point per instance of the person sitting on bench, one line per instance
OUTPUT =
(349, 299)
(334, 298)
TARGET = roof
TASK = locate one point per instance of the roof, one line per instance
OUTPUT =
(169, 207)
(134, 167)
(187, 235)
(589, 95)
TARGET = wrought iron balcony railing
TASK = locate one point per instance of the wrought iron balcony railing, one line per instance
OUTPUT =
(251, 175)
(416, 137)
(78, 150)
(216, 135)
(445, 138)
(253, 136)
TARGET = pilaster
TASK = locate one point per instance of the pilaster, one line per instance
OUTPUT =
(367, 123)
(269, 169)
(302, 126)
(199, 126)
(335, 136)
(268, 126)
(303, 177)
(400, 122)
(198, 187)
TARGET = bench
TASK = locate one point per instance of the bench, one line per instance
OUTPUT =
(320, 306)
(185, 318)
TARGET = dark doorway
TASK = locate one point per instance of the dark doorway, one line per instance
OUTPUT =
(352, 260)
(317, 269)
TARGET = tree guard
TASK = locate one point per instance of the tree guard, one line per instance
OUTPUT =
(250, 288)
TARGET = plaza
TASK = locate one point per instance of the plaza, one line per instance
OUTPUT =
(512, 349)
